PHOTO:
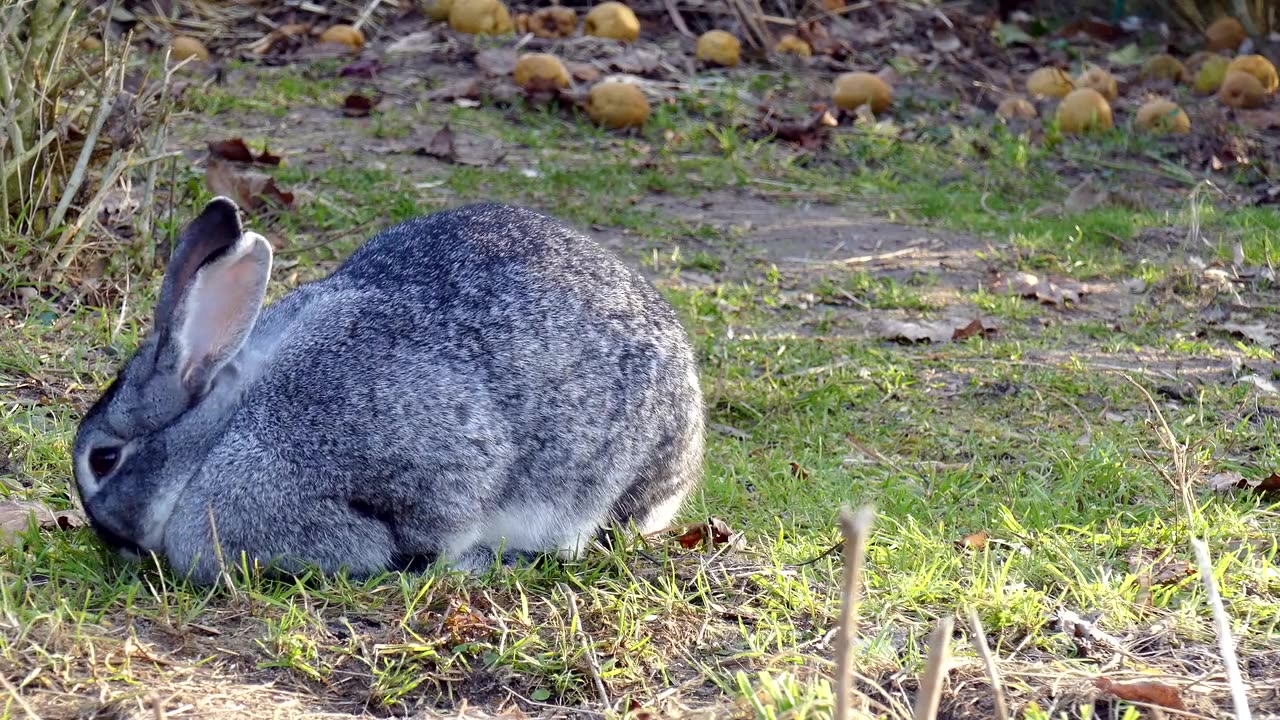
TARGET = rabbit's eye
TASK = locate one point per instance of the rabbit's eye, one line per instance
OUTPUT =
(103, 460)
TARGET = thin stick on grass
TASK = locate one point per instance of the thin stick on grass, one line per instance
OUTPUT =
(855, 527)
(1226, 646)
(22, 703)
(575, 626)
(979, 638)
(935, 670)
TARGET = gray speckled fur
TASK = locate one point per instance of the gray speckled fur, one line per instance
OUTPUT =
(475, 379)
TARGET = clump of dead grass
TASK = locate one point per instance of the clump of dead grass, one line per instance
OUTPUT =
(71, 128)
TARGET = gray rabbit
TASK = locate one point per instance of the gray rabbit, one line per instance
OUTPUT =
(478, 384)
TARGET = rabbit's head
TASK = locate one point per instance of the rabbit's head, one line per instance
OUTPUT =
(146, 436)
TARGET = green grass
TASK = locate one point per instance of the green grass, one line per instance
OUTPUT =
(1032, 436)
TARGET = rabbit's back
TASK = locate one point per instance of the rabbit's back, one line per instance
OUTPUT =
(472, 374)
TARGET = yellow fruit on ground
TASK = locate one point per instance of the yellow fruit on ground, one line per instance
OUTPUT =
(1259, 67)
(612, 20)
(552, 22)
(1163, 67)
(855, 89)
(1084, 110)
(438, 10)
(1242, 91)
(540, 71)
(718, 48)
(89, 43)
(1162, 116)
(1101, 80)
(480, 17)
(617, 105)
(792, 45)
(185, 46)
(1225, 33)
(1049, 82)
(343, 34)
(1211, 74)
(1016, 108)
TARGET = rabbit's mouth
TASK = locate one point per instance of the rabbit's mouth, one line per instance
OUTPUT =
(116, 542)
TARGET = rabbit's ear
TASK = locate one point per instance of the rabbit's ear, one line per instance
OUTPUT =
(212, 293)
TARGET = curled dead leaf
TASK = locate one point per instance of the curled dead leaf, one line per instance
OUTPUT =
(236, 150)
(710, 533)
(798, 471)
(445, 144)
(1149, 692)
(935, 331)
(1048, 292)
(356, 105)
(250, 190)
(974, 541)
(1228, 481)
(16, 516)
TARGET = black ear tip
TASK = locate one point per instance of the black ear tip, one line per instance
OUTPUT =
(224, 211)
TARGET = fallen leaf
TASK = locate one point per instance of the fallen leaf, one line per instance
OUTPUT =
(357, 106)
(496, 61)
(1259, 119)
(250, 190)
(1006, 34)
(419, 42)
(465, 623)
(945, 41)
(1149, 692)
(283, 39)
(236, 150)
(1232, 481)
(1086, 196)
(462, 149)
(715, 529)
(367, 68)
(935, 331)
(468, 89)
(975, 541)
(798, 471)
(16, 515)
(1258, 333)
(1046, 291)
(635, 62)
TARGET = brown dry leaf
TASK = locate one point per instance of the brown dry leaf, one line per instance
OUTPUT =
(1149, 692)
(465, 623)
(15, 517)
(236, 150)
(635, 62)
(250, 190)
(935, 331)
(358, 105)
(496, 61)
(1259, 119)
(1228, 481)
(583, 72)
(715, 530)
(975, 541)
(462, 149)
(1086, 196)
(281, 40)
(1046, 291)
(798, 471)
(1151, 569)
(1257, 333)
(468, 89)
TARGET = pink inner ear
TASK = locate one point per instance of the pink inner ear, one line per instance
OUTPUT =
(220, 309)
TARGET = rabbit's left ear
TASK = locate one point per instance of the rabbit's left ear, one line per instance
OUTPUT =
(212, 294)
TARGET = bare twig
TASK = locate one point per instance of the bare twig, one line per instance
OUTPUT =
(935, 670)
(1239, 696)
(855, 527)
(677, 19)
(593, 667)
(979, 638)
(1181, 477)
(22, 703)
